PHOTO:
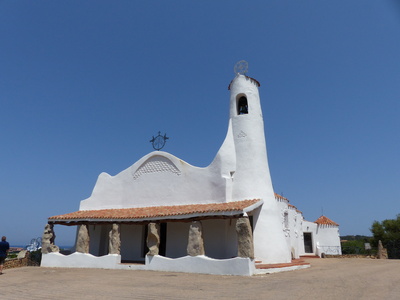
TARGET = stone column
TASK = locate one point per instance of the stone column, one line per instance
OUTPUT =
(48, 240)
(245, 238)
(82, 242)
(153, 238)
(195, 243)
(114, 240)
(382, 252)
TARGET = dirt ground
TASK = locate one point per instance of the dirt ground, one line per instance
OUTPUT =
(329, 278)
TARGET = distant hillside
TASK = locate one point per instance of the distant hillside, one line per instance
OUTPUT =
(355, 237)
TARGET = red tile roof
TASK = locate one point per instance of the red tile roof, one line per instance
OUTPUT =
(279, 197)
(158, 212)
(322, 220)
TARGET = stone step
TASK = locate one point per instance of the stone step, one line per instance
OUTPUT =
(295, 262)
(309, 256)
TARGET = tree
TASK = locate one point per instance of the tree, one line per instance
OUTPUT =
(388, 231)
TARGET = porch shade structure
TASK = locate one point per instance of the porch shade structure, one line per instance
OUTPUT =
(144, 215)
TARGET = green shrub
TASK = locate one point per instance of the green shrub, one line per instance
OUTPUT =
(36, 256)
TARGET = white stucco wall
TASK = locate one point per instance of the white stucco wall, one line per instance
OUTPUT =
(80, 260)
(286, 226)
(252, 177)
(325, 238)
(310, 227)
(300, 239)
(157, 179)
(196, 264)
(295, 231)
(328, 240)
(202, 264)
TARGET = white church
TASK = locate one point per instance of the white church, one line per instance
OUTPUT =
(164, 214)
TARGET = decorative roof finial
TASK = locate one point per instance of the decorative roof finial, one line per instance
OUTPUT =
(159, 141)
(241, 67)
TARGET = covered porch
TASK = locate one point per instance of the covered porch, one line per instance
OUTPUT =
(213, 238)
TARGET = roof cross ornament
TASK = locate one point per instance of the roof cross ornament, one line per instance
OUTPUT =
(241, 67)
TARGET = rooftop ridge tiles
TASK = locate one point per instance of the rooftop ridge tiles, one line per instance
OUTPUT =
(322, 220)
(281, 197)
(156, 211)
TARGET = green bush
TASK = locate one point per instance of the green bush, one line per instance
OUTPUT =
(36, 256)
(356, 247)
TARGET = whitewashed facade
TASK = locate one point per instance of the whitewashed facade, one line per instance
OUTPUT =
(164, 190)
(306, 238)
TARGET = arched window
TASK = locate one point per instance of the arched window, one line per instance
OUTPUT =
(242, 107)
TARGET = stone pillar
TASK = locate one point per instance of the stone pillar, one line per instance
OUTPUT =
(245, 238)
(195, 243)
(114, 240)
(382, 252)
(48, 240)
(82, 242)
(153, 238)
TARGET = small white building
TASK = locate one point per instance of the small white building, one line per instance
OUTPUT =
(162, 213)
(306, 238)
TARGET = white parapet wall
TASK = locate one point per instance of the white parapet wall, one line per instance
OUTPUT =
(80, 260)
(189, 264)
(202, 264)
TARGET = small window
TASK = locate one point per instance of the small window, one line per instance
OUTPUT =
(242, 107)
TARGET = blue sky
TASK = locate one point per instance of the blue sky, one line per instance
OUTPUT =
(84, 85)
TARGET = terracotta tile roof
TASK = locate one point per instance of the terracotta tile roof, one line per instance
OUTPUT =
(279, 197)
(158, 212)
(322, 220)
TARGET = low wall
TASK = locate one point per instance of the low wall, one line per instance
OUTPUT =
(20, 262)
(190, 264)
(351, 256)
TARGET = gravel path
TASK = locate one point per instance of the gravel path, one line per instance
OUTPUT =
(329, 278)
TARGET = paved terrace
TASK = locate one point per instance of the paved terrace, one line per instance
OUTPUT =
(329, 278)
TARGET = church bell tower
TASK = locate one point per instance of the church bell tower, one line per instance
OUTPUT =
(252, 178)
